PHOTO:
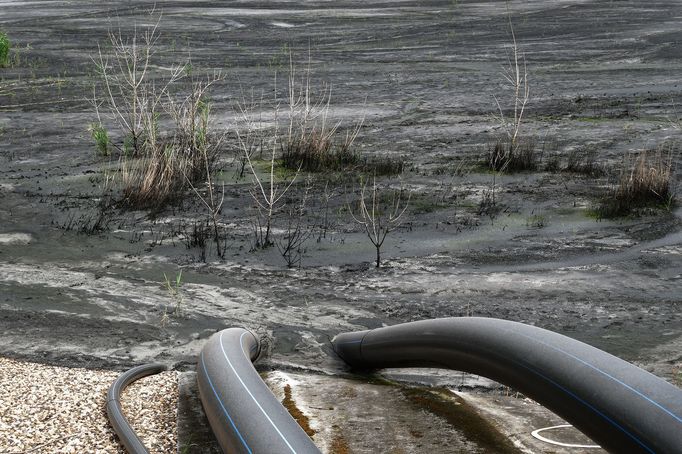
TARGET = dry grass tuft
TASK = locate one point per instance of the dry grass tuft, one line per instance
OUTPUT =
(646, 183)
(315, 151)
(513, 156)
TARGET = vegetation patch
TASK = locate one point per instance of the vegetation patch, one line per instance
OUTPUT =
(101, 137)
(584, 162)
(647, 182)
(422, 203)
(517, 155)
(157, 165)
(5, 47)
(317, 153)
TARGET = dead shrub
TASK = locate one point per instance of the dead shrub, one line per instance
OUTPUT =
(167, 167)
(167, 143)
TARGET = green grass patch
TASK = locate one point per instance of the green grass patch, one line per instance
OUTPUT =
(5, 47)
(425, 203)
(101, 137)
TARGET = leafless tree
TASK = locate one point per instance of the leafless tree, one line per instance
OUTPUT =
(290, 245)
(131, 95)
(379, 216)
(325, 197)
(268, 195)
(516, 76)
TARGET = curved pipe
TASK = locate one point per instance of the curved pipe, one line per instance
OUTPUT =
(620, 406)
(244, 414)
(118, 421)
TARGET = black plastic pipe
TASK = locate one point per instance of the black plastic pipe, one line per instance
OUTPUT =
(118, 421)
(618, 405)
(244, 414)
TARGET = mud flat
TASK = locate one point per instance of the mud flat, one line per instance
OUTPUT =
(604, 81)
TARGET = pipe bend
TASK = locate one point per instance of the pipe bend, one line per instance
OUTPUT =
(115, 414)
(244, 414)
(617, 404)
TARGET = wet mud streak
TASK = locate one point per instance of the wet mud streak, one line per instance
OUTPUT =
(296, 413)
(462, 416)
(339, 445)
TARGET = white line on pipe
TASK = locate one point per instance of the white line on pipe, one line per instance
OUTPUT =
(229, 363)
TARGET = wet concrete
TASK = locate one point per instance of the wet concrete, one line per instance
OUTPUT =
(604, 79)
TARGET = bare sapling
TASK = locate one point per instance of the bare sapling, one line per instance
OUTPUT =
(268, 195)
(212, 204)
(290, 245)
(250, 134)
(503, 154)
(194, 134)
(308, 115)
(194, 137)
(130, 95)
(325, 197)
(379, 215)
(313, 142)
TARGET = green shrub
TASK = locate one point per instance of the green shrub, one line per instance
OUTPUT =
(101, 138)
(4, 49)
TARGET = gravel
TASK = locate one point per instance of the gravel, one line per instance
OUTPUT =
(46, 409)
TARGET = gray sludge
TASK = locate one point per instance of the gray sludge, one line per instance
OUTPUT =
(118, 421)
(620, 406)
(244, 414)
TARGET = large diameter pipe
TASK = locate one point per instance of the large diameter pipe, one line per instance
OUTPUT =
(244, 414)
(119, 422)
(620, 406)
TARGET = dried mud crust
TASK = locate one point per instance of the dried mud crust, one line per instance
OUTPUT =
(62, 410)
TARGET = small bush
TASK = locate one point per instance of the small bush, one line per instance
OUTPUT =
(5, 47)
(646, 183)
(583, 161)
(315, 152)
(513, 156)
(553, 164)
(101, 137)
(162, 175)
(384, 165)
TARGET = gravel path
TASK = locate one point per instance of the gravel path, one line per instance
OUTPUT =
(46, 409)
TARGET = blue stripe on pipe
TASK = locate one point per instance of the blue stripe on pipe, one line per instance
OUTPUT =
(229, 363)
(606, 374)
(590, 406)
(579, 399)
(223, 407)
